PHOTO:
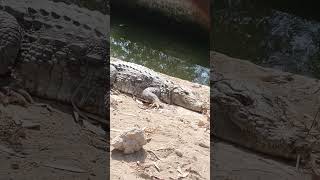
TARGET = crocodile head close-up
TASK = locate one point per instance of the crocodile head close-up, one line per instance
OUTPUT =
(249, 117)
(187, 99)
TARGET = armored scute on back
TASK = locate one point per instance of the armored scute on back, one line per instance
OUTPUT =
(150, 86)
(36, 14)
(58, 51)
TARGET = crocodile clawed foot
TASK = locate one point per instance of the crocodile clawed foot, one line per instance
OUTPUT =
(156, 105)
(15, 96)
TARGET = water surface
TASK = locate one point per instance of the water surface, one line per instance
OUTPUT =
(269, 38)
(160, 49)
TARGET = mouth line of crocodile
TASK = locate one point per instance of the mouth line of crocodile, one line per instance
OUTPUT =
(263, 144)
(188, 99)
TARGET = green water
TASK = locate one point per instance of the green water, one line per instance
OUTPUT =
(160, 49)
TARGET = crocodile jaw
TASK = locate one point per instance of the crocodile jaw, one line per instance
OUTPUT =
(187, 99)
(271, 142)
(245, 119)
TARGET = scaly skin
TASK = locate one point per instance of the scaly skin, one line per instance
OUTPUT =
(266, 110)
(56, 51)
(248, 116)
(256, 119)
(150, 86)
(11, 35)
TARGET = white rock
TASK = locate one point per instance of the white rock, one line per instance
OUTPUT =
(129, 141)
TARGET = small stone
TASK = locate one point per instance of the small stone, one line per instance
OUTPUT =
(195, 158)
(178, 152)
(201, 123)
(30, 125)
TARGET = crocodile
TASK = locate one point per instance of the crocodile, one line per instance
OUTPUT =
(56, 51)
(255, 119)
(253, 109)
(150, 86)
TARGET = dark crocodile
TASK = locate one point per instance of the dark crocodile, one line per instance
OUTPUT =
(56, 51)
(266, 110)
(254, 118)
(150, 86)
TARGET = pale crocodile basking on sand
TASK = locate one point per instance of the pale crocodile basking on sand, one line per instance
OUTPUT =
(150, 86)
(56, 51)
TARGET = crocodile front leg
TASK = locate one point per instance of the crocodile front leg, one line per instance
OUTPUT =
(12, 95)
(10, 40)
(150, 95)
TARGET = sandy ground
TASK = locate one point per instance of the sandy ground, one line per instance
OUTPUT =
(178, 148)
(234, 163)
(38, 142)
(43, 143)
